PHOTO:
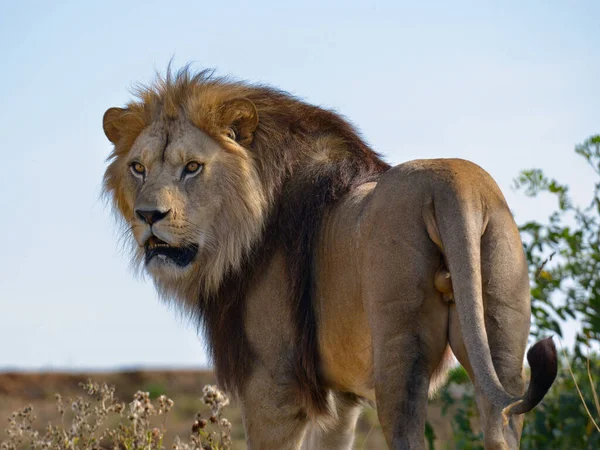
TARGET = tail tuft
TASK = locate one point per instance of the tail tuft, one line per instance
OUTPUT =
(543, 362)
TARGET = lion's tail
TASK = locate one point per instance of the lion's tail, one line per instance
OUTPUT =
(544, 366)
(456, 222)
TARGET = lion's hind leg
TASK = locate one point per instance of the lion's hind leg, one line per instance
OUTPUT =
(507, 314)
(409, 325)
(439, 377)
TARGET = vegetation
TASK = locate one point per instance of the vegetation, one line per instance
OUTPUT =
(564, 260)
(134, 428)
(564, 254)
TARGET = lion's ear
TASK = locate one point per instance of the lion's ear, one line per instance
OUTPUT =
(110, 123)
(241, 115)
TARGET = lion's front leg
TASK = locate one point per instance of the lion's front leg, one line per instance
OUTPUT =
(271, 419)
(337, 432)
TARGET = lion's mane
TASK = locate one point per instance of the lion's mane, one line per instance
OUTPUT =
(306, 158)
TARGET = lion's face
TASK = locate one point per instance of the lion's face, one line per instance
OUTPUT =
(193, 205)
(176, 190)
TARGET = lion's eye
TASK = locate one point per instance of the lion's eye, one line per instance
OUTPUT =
(191, 168)
(138, 168)
(231, 134)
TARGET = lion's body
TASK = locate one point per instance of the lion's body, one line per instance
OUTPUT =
(378, 236)
(316, 266)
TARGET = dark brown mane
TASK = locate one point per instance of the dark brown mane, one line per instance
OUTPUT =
(307, 158)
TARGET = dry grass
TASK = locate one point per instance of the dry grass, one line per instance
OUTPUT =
(99, 421)
(183, 387)
(596, 403)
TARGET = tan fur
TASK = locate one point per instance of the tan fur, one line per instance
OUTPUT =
(313, 302)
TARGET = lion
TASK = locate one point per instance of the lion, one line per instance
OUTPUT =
(322, 277)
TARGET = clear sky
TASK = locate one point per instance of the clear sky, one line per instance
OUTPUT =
(509, 85)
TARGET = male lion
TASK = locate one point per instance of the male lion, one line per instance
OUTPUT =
(312, 265)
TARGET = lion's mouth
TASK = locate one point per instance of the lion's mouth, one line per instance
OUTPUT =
(181, 256)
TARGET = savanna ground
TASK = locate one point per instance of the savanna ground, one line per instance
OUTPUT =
(564, 420)
(18, 390)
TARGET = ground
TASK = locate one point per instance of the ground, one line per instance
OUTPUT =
(184, 387)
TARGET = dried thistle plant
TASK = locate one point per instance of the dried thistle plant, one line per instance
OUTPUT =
(133, 431)
(211, 434)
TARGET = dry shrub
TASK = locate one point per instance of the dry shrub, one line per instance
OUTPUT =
(133, 424)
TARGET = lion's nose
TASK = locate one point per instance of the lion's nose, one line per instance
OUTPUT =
(151, 216)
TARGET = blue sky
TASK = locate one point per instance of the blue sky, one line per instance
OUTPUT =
(509, 85)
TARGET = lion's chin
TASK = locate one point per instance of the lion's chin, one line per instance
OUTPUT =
(163, 268)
